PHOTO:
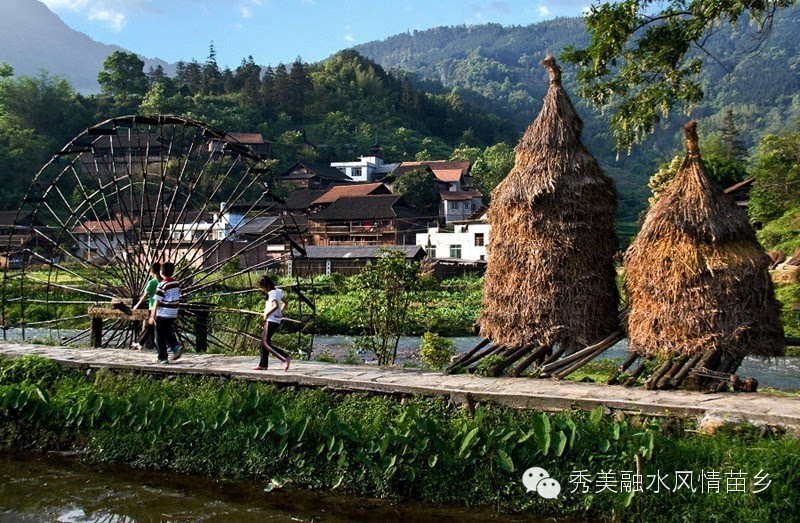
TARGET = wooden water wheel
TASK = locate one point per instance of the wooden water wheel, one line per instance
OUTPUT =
(135, 190)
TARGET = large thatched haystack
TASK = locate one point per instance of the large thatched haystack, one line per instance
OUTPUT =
(550, 274)
(698, 280)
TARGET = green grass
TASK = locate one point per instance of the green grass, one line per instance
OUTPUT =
(414, 449)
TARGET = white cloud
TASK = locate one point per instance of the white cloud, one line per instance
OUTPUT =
(349, 38)
(246, 8)
(308, 2)
(542, 10)
(114, 19)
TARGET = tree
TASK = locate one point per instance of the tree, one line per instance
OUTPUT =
(660, 180)
(492, 166)
(641, 59)
(280, 88)
(732, 138)
(123, 76)
(155, 75)
(777, 172)
(212, 78)
(418, 188)
(385, 288)
(300, 88)
(6, 70)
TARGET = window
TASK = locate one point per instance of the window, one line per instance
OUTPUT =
(355, 172)
(482, 257)
(455, 251)
(454, 205)
(220, 235)
(432, 251)
(478, 239)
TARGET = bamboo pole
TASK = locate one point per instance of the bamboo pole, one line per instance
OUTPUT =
(533, 356)
(456, 362)
(510, 359)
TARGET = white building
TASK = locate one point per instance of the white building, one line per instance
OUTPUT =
(467, 240)
(366, 168)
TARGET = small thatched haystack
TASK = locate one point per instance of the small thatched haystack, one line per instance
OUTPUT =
(550, 273)
(698, 280)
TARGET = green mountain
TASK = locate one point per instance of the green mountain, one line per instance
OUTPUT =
(497, 68)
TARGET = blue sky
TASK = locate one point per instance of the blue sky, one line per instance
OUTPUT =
(280, 30)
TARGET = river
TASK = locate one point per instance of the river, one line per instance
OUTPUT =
(36, 487)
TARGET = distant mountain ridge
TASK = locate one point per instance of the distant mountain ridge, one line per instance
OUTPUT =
(497, 68)
(33, 38)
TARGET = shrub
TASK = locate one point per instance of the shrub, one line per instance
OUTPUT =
(436, 351)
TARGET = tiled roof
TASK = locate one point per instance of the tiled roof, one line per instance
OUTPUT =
(459, 195)
(301, 199)
(7, 218)
(740, 185)
(375, 207)
(357, 189)
(360, 251)
(443, 170)
(324, 171)
(104, 226)
(251, 138)
(258, 225)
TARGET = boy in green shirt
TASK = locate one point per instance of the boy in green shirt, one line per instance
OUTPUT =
(146, 337)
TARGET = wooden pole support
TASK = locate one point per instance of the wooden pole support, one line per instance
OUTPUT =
(528, 361)
(96, 332)
(457, 362)
(201, 329)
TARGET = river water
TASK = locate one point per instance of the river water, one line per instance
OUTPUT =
(35, 487)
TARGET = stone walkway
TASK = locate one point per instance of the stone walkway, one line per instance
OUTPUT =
(461, 388)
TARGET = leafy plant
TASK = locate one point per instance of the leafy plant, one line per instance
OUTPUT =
(386, 288)
(436, 351)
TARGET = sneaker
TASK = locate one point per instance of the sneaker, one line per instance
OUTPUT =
(177, 353)
(161, 362)
(286, 364)
(136, 346)
(259, 367)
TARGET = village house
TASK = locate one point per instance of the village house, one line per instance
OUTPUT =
(740, 192)
(306, 175)
(467, 240)
(123, 152)
(367, 168)
(18, 233)
(458, 198)
(255, 141)
(347, 260)
(382, 219)
(350, 190)
(111, 239)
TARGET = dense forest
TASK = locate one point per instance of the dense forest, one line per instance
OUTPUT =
(332, 110)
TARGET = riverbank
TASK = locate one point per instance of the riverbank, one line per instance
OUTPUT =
(413, 449)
